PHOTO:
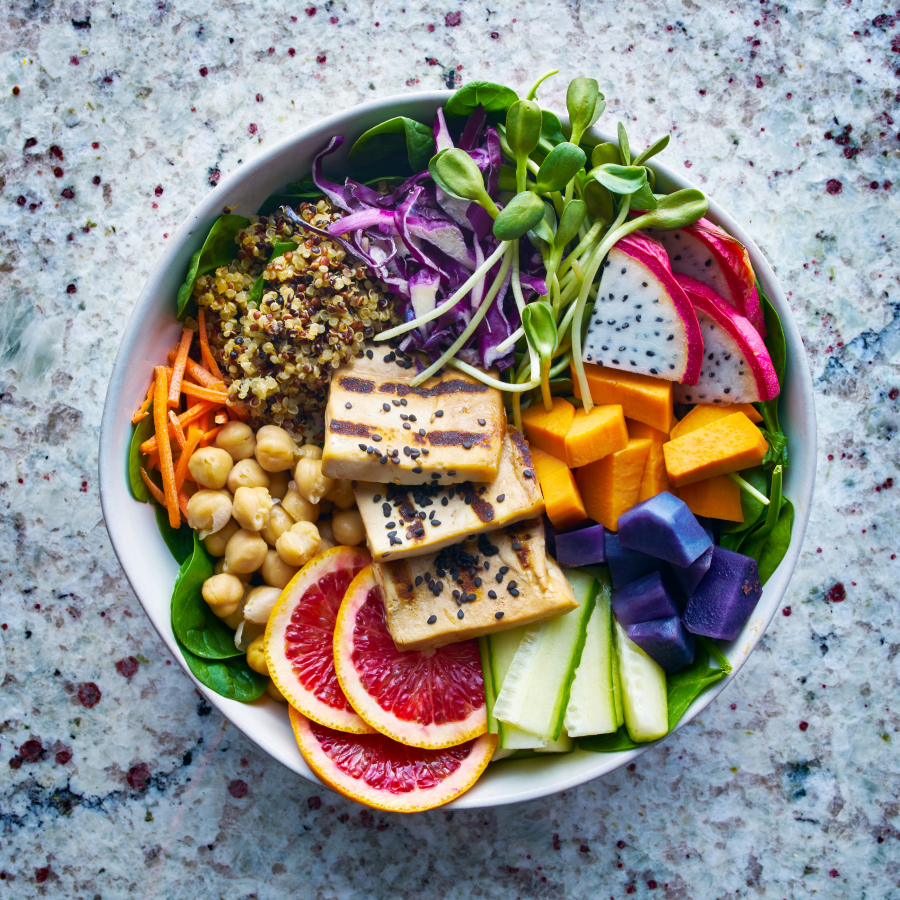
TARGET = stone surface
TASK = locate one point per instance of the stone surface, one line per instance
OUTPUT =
(115, 778)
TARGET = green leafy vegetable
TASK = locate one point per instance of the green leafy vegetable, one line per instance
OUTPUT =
(777, 347)
(559, 168)
(675, 210)
(219, 249)
(194, 623)
(599, 202)
(180, 541)
(585, 104)
(751, 507)
(777, 544)
(495, 98)
(624, 149)
(604, 154)
(383, 144)
(231, 678)
(569, 223)
(776, 451)
(551, 129)
(259, 286)
(608, 743)
(620, 179)
(143, 431)
(458, 174)
(656, 147)
(519, 216)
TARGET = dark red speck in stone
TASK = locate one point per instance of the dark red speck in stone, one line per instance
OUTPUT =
(894, 393)
(321, 60)
(804, 726)
(203, 71)
(833, 186)
(630, 888)
(127, 667)
(56, 150)
(652, 884)
(430, 29)
(58, 172)
(291, 50)
(158, 190)
(631, 767)
(138, 778)
(41, 875)
(71, 289)
(259, 98)
(31, 142)
(252, 128)
(89, 695)
(333, 20)
(837, 593)
(238, 788)
(73, 60)
(68, 193)
(494, 35)
(584, 849)
(96, 145)
(96, 179)
(314, 803)
(310, 11)
(21, 200)
(621, 845)
(16, 91)
(786, 611)
(270, 51)
(63, 757)
(31, 751)
(833, 873)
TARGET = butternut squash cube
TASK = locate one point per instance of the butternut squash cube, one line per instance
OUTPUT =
(643, 430)
(641, 397)
(612, 485)
(725, 446)
(704, 415)
(715, 498)
(654, 479)
(595, 434)
(562, 499)
(547, 430)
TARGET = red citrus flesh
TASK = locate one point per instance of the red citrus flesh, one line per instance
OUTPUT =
(429, 699)
(299, 640)
(374, 770)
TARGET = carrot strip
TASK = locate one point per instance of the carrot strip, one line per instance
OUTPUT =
(158, 495)
(183, 501)
(142, 411)
(204, 393)
(210, 435)
(205, 352)
(138, 416)
(195, 435)
(237, 414)
(197, 372)
(194, 413)
(166, 467)
(179, 431)
(153, 461)
(180, 362)
(221, 417)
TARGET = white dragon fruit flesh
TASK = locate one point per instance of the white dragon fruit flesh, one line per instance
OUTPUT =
(643, 321)
(706, 252)
(737, 367)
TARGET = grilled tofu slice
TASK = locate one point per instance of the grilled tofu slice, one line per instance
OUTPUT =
(403, 520)
(490, 583)
(378, 428)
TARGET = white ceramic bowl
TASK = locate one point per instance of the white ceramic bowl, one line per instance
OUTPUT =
(152, 331)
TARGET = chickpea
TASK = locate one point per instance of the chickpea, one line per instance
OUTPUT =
(298, 507)
(275, 571)
(256, 655)
(341, 495)
(279, 522)
(237, 440)
(275, 448)
(278, 484)
(221, 568)
(223, 593)
(208, 512)
(235, 618)
(299, 545)
(245, 552)
(326, 532)
(310, 451)
(209, 467)
(324, 545)
(260, 603)
(348, 527)
(310, 481)
(274, 693)
(215, 543)
(251, 508)
(247, 473)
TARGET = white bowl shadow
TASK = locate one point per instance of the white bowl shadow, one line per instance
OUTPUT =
(152, 331)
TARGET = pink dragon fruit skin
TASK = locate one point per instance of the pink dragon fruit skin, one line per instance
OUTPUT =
(737, 367)
(655, 332)
(706, 252)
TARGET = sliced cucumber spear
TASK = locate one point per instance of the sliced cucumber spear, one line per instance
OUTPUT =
(617, 687)
(592, 707)
(535, 692)
(643, 691)
(563, 744)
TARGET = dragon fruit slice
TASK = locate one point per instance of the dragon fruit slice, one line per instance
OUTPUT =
(642, 320)
(737, 367)
(706, 252)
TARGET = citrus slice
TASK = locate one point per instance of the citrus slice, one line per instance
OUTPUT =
(299, 640)
(422, 698)
(374, 770)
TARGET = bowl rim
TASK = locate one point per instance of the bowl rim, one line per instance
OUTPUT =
(801, 491)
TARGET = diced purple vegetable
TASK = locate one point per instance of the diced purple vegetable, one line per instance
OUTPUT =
(550, 536)
(584, 547)
(625, 565)
(725, 598)
(665, 641)
(663, 526)
(643, 600)
(689, 577)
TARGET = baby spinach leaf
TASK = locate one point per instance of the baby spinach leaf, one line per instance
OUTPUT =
(259, 286)
(383, 144)
(715, 652)
(495, 98)
(751, 507)
(777, 347)
(777, 544)
(219, 249)
(180, 541)
(194, 623)
(231, 678)
(143, 431)
(753, 544)
(685, 686)
(608, 743)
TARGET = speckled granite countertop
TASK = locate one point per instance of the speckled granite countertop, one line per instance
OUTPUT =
(115, 779)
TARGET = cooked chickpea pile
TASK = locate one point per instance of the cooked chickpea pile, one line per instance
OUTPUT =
(261, 523)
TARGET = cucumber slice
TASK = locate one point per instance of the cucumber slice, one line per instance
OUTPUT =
(490, 695)
(535, 692)
(563, 744)
(592, 707)
(617, 688)
(643, 691)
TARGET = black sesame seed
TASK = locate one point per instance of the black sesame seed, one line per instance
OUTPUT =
(432, 620)
(404, 417)
(418, 580)
(528, 473)
(403, 402)
(504, 570)
(386, 555)
(435, 522)
(412, 417)
(386, 407)
(376, 498)
(438, 413)
(516, 545)
(487, 565)
(348, 406)
(386, 509)
(492, 595)
(383, 461)
(501, 498)
(444, 501)
(499, 614)
(395, 402)
(512, 585)
(407, 426)
(391, 524)
(482, 422)
(422, 432)
(456, 595)
(369, 354)
(376, 437)
(452, 472)
(514, 592)
(362, 447)
(477, 581)
(395, 459)
(500, 577)
(460, 615)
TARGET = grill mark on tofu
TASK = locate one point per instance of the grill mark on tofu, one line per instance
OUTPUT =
(350, 429)
(442, 389)
(356, 385)
(457, 438)
(482, 508)
(518, 439)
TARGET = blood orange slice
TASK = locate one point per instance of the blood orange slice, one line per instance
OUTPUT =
(428, 699)
(299, 639)
(374, 770)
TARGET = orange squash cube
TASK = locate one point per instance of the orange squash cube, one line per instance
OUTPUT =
(705, 415)
(612, 485)
(595, 434)
(715, 498)
(643, 430)
(641, 397)
(547, 430)
(654, 479)
(562, 499)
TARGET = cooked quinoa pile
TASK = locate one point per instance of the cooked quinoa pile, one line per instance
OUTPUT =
(317, 307)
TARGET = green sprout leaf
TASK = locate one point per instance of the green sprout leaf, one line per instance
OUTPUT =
(599, 202)
(624, 149)
(381, 145)
(603, 154)
(656, 147)
(540, 328)
(569, 223)
(457, 174)
(523, 127)
(620, 179)
(559, 168)
(520, 216)
(585, 105)
(551, 130)
(495, 98)
(142, 432)
(643, 197)
(675, 210)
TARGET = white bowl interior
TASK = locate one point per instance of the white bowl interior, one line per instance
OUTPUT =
(152, 331)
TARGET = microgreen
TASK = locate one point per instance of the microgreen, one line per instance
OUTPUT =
(559, 168)
(518, 217)
(585, 104)
(455, 172)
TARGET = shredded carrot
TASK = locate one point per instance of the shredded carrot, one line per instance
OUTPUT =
(204, 393)
(195, 435)
(166, 467)
(138, 416)
(142, 411)
(179, 432)
(158, 495)
(180, 362)
(210, 435)
(238, 414)
(205, 352)
(183, 501)
(192, 415)
(153, 461)
(197, 372)
(221, 417)
(203, 421)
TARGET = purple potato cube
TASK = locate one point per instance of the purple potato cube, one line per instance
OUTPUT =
(625, 565)
(689, 577)
(644, 600)
(663, 526)
(584, 547)
(665, 641)
(729, 592)
(550, 536)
